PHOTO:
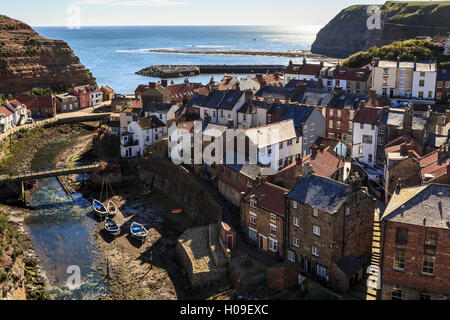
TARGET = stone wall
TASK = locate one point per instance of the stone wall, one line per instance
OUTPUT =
(182, 187)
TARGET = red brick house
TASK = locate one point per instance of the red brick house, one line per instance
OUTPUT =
(83, 95)
(263, 218)
(330, 230)
(415, 255)
(40, 106)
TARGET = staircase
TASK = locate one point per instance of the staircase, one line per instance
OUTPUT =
(215, 248)
(376, 252)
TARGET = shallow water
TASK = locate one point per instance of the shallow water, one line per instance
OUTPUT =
(62, 229)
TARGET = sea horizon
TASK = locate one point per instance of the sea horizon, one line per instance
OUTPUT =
(114, 53)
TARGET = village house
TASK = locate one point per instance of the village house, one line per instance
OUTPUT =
(66, 102)
(260, 81)
(153, 93)
(252, 114)
(107, 93)
(352, 80)
(443, 86)
(411, 79)
(19, 112)
(263, 219)
(6, 119)
(309, 123)
(304, 71)
(325, 163)
(415, 244)
(140, 135)
(340, 112)
(219, 107)
(39, 106)
(443, 42)
(83, 95)
(182, 92)
(368, 136)
(163, 111)
(330, 230)
(127, 115)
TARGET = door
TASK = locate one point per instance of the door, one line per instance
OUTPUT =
(230, 241)
(263, 242)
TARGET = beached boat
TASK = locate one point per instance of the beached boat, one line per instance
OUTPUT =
(112, 208)
(112, 227)
(144, 193)
(138, 231)
(177, 211)
(99, 208)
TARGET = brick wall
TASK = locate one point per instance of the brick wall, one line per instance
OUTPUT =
(280, 278)
(407, 170)
(412, 276)
(344, 119)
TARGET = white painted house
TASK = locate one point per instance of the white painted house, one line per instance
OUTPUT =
(141, 134)
(304, 71)
(365, 134)
(424, 80)
(163, 111)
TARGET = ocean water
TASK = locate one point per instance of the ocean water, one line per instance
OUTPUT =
(114, 54)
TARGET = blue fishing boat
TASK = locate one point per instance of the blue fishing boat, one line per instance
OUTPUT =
(99, 208)
(112, 227)
(138, 231)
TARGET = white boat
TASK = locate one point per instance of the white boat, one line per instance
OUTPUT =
(138, 231)
(112, 208)
(112, 227)
(99, 208)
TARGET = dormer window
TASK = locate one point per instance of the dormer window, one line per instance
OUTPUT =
(253, 202)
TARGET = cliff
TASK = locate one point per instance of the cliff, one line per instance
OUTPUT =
(348, 33)
(28, 60)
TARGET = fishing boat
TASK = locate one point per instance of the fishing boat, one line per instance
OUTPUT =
(112, 227)
(147, 192)
(138, 231)
(112, 208)
(177, 211)
(99, 208)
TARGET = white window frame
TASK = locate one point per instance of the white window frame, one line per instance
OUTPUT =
(295, 222)
(253, 203)
(315, 213)
(273, 217)
(273, 228)
(316, 230)
(321, 271)
(253, 217)
(315, 251)
(294, 204)
(273, 244)
(255, 232)
(291, 256)
(296, 242)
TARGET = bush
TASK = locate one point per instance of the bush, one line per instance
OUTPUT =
(3, 276)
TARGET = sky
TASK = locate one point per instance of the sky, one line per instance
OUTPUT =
(175, 12)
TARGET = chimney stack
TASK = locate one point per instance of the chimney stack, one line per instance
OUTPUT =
(164, 83)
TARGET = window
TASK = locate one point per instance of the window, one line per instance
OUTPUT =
(296, 242)
(273, 217)
(420, 94)
(428, 265)
(281, 145)
(294, 204)
(331, 112)
(252, 234)
(295, 222)
(321, 271)
(338, 125)
(273, 244)
(291, 256)
(422, 74)
(316, 231)
(430, 94)
(305, 129)
(339, 113)
(361, 126)
(253, 203)
(431, 239)
(315, 251)
(330, 124)
(402, 81)
(249, 183)
(401, 236)
(273, 229)
(439, 84)
(315, 213)
(399, 259)
(305, 140)
(252, 218)
(367, 139)
(447, 84)
(380, 140)
(313, 127)
(238, 178)
(297, 140)
(396, 294)
(402, 71)
(347, 211)
(360, 149)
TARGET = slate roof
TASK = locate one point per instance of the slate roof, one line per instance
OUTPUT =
(251, 171)
(309, 83)
(197, 100)
(427, 206)
(297, 113)
(270, 197)
(225, 100)
(304, 69)
(443, 75)
(369, 115)
(419, 121)
(158, 107)
(314, 97)
(150, 123)
(395, 118)
(348, 265)
(318, 192)
(276, 92)
(273, 108)
(346, 101)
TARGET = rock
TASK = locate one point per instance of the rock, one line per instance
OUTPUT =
(28, 60)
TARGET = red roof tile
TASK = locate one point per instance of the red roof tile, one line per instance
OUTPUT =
(369, 115)
(306, 69)
(5, 111)
(271, 197)
(324, 163)
(429, 159)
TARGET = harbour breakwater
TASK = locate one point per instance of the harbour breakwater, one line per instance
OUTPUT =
(178, 71)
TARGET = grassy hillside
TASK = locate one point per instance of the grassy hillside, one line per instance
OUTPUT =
(425, 13)
(405, 50)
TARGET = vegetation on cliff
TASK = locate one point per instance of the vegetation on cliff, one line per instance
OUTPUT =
(403, 50)
(348, 33)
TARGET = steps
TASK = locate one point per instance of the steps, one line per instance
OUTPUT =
(215, 248)
(376, 253)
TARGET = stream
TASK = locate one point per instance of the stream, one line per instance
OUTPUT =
(62, 230)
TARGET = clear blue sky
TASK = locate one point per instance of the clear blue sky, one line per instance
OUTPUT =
(178, 12)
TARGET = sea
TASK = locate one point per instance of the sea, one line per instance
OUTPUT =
(114, 54)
